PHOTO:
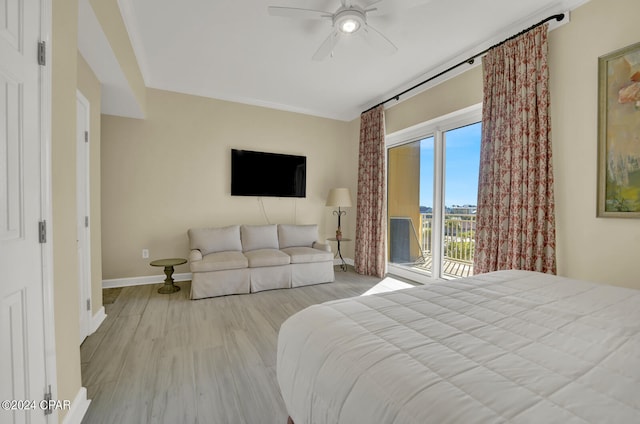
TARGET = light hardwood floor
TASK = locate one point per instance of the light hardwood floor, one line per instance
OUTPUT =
(167, 359)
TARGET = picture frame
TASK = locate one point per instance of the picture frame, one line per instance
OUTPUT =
(619, 133)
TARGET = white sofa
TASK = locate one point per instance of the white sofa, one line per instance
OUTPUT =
(251, 258)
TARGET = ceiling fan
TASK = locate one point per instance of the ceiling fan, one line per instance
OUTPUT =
(348, 20)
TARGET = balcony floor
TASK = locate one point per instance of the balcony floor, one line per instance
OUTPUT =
(451, 268)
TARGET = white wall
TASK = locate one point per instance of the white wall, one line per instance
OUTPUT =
(171, 172)
(589, 248)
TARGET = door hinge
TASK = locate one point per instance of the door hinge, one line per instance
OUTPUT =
(42, 53)
(42, 231)
(47, 406)
(86, 222)
(88, 304)
(86, 136)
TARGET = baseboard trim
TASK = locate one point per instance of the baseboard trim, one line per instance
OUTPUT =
(139, 281)
(97, 319)
(78, 408)
(154, 279)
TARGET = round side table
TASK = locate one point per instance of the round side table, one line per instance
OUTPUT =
(168, 265)
(339, 253)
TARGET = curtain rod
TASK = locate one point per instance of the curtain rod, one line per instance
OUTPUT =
(470, 60)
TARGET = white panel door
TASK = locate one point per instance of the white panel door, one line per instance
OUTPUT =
(22, 349)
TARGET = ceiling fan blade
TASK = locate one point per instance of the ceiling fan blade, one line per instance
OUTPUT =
(294, 12)
(327, 46)
(378, 41)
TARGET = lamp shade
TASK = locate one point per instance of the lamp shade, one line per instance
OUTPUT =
(339, 197)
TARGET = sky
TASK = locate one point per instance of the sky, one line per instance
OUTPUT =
(461, 167)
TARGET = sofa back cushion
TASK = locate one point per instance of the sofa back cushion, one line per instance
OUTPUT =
(297, 235)
(256, 237)
(211, 240)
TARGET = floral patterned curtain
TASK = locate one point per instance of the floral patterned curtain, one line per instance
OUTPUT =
(372, 203)
(515, 214)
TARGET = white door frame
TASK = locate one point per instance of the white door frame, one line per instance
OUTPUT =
(51, 375)
(436, 128)
(83, 208)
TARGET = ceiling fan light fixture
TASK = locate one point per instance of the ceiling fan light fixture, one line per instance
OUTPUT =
(349, 25)
(349, 21)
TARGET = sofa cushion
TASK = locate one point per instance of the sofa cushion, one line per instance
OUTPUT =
(301, 255)
(211, 240)
(267, 257)
(220, 261)
(297, 235)
(256, 237)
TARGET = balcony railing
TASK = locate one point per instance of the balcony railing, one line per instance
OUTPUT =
(459, 235)
(459, 243)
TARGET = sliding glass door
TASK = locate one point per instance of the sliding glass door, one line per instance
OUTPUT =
(432, 193)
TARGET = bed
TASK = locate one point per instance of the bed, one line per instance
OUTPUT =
(507, 346)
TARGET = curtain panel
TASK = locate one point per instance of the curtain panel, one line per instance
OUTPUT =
(372, 203)
(515, 214)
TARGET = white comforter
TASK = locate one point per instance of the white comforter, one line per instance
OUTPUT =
(509, 346)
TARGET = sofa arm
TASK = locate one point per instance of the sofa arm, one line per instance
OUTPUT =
(195, 255)
(321, 246)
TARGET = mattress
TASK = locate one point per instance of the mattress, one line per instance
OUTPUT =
(507, 346)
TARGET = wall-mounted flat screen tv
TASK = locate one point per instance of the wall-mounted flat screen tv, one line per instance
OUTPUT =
(267, 174)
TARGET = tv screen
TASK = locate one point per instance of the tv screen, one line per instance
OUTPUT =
(267, 174)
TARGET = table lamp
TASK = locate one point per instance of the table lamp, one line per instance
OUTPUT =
(341, 198)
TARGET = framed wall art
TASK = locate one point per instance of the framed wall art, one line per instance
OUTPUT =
(619, 133)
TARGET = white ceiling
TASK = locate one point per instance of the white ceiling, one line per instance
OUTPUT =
(234, 50)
